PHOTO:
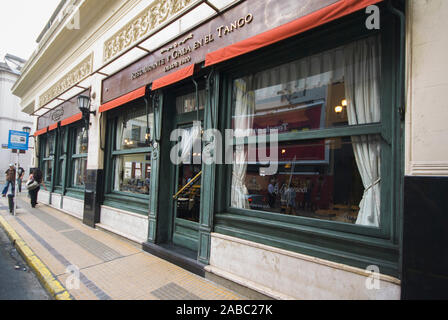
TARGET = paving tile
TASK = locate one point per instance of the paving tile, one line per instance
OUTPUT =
(109, 267)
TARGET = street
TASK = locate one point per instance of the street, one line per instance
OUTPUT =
(17, 281)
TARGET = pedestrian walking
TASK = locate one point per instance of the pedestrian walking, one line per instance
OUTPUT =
(20, 175)
(11, 194)
(10, 179)
(33, 185)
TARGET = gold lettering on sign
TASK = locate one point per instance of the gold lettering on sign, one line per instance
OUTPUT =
(236, 25)
(179, 53)
(204, 41)
(77, 74)
(159, 12)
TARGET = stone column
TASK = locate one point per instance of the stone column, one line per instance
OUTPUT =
(95, 162)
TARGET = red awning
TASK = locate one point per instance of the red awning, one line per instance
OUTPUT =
(311, 21)
(173, 77)
(71, 120)
(123, 99)
(41, 132)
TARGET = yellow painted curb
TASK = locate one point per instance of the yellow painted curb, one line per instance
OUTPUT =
(51, 284)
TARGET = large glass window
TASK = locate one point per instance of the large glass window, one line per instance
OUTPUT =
(131, 154)
(187, 103)
(335, 177)
(48, 144)
(133, 173)
(80, 144)
(61, 156)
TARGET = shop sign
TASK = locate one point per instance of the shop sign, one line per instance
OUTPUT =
(243, 21)
(63, 111)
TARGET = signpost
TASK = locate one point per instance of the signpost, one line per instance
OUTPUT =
(18, 140)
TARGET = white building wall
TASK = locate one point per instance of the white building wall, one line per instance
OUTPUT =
(11, 118)
(427, 86)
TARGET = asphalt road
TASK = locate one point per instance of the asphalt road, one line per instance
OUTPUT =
(17, 281)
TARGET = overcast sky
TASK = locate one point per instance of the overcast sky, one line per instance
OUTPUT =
(21, 22)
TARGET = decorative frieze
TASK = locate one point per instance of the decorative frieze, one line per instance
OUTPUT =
(77, 74)
(159, 12)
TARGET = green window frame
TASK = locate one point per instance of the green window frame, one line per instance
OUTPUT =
(72, 189)
(60, 159)
(138, 203)
(343, 243)
(47, 156)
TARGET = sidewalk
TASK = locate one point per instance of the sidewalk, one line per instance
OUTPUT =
(110, 268)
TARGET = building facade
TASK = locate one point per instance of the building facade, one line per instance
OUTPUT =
(11, 117)
(267, 145)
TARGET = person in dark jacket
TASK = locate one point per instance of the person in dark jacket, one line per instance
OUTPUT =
(10, 179)
(36, 175)
(20, 175)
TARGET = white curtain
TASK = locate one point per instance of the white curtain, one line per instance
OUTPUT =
(362, 85)
(244, 112)
(119, 173)
(190, 143)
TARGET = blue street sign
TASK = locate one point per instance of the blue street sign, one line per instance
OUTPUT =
(18, 140)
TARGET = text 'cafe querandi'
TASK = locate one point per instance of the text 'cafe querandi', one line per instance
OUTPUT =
(311, 71)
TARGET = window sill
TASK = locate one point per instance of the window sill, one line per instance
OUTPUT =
(128, 203)
(77, 193)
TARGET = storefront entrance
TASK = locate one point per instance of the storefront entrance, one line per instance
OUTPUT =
(186, 169)
(187, 190)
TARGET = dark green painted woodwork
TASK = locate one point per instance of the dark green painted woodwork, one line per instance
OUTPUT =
(62, 161)
(208, 170)
(121, 200)
(157, 101)
(343, 243)
(348, 244)
(163, 227)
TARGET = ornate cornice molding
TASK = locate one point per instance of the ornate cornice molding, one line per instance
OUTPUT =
(77, 74)
(159, 12)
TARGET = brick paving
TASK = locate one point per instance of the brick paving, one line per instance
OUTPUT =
(109, 267)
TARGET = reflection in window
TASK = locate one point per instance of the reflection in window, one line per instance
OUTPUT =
(333, 179)
(132, 129)
(79, 156)
(61, 153)
(79, 172)
(82, 141)
(48, 170)
(187, 103)
(316, 179)
(189, 176)
(133, 173)
(49, 146)
(59, 174)
(312, 93)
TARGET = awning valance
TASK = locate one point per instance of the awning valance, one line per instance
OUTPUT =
(71, 120)
(173, 77)
(133, 95)
(41, 132)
